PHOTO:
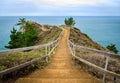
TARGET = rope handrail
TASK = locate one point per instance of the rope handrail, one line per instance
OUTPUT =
(55, 43)
(72, 47)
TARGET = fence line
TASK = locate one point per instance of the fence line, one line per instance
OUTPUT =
(72, 48)
(52, 44)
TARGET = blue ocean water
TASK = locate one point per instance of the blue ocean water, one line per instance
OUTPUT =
(104, 30)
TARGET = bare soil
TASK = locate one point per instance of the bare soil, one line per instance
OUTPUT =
(61, 68)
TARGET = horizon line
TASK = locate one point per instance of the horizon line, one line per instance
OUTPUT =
(63, 15)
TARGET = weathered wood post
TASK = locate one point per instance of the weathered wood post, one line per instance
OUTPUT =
(74, 52)
(106, 65)
(74, 49)
(49, 47)
(54, 46)
(68, 42)
(1, 78)
(46, 53)
(1, 81)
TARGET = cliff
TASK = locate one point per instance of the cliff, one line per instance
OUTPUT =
(50, 33)
(46, 33)
(79, 38)
(98, 59)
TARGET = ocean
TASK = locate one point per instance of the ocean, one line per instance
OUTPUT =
(102, 29)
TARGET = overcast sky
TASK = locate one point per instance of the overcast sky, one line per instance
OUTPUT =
(59, 7)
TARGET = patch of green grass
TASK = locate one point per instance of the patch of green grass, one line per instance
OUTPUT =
(50, 35)
(14, 59)
(2, 67)
(86, 52)
(11, 77)
(83, 39)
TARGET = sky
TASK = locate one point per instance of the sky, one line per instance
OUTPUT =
(59, 7)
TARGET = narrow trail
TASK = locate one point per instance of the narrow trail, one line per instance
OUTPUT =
(61, 68)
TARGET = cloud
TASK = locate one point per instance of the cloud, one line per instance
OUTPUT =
(65, 2)
(60, 7)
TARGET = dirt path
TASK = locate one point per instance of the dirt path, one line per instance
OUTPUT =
(61, 68)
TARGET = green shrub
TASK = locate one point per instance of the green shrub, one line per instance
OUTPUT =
(112, 48)
(30, 35)
(24, 37)
(70, 21)
(16, 39)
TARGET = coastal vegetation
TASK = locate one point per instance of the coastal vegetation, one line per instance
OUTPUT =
(99, 60)
(30, 34)
(79, 38)
(112, 48)
(22, 23)
(14, 59)
(69, 21)
(82, 39)
(33, 35)
(48, 36)
(26, 36)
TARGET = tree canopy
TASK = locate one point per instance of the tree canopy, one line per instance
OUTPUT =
(112, 47)
(22, 22)
(23, 39)
(70, 21)
(15, 41)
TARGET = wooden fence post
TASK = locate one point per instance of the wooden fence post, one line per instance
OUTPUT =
(1, 76)
(74, 48)
(1, 81)
(46, 53)
(54, 46)
(49, 48)
(106, 65)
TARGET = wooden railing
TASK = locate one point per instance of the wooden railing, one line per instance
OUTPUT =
(107, 55)
(49, 48)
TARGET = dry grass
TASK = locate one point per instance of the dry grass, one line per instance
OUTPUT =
(49, 35)
(83, 39)
(99, 60)
(14, 59)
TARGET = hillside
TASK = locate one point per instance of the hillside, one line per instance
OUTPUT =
(79, 38)
(49, 34)
(98, 59)
(46, 33)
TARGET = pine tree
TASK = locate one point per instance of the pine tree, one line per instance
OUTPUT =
(30, 35)
(70, 21)
(112, 48)
(21, 23)
(23, 39)
(16, 39)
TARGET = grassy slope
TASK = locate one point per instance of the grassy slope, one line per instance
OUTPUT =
(13, 59)
(46, 36)
(49, 35)
(83, 39)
